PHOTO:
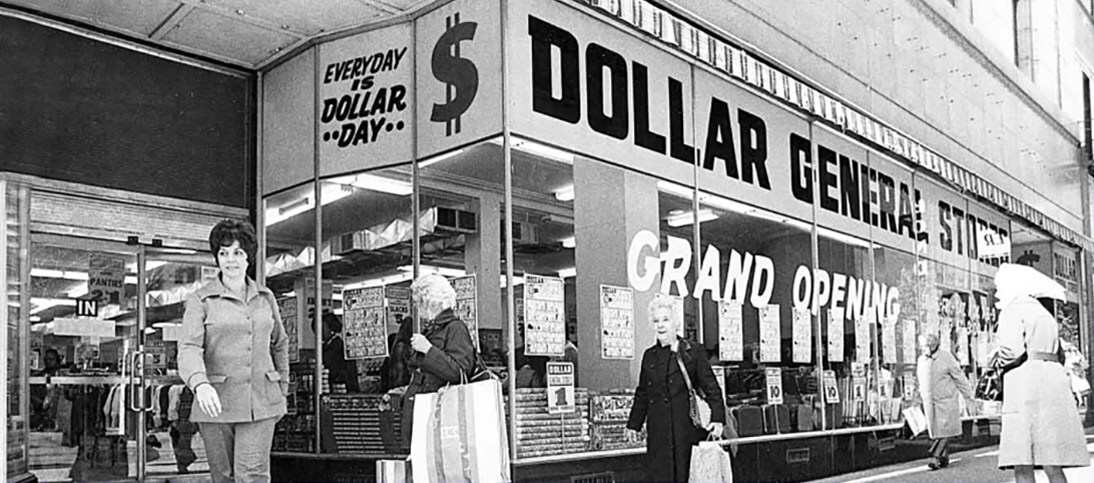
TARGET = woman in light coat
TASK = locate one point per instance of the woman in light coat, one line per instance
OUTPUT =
(234, 356)
(1041, 425)
(941, 383)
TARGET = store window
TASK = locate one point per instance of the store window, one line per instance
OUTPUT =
(758, 325)
(289, 224)
(17, 407)
(897, 332)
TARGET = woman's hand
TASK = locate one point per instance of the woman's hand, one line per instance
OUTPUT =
(715, 429)
(207, 399)
(420, 343)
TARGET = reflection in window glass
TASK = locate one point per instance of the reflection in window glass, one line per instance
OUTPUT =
(758, 328)
(289, 222)
(848, 325)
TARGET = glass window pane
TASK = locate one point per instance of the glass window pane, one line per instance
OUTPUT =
(289, 219)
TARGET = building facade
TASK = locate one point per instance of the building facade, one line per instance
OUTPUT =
(819, 185)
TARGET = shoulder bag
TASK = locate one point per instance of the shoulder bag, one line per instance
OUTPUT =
(698, 408)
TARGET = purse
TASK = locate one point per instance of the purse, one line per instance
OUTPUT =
(698, 409)
(990, 385)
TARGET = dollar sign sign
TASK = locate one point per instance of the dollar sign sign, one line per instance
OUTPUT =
(460, 74)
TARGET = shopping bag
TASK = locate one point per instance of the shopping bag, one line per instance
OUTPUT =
(710, 463)
(916, 420)
(391, 471)
(459, 435)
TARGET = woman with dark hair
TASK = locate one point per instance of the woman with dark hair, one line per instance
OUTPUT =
(233, 355)
(661, 400)
(342, 371)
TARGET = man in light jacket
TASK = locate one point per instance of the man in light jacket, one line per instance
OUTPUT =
(941, 382)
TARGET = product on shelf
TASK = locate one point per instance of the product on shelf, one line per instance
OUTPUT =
(362, 423)
(540, 433)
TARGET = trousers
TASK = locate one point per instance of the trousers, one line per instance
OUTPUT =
(940, 448)
(239, 452)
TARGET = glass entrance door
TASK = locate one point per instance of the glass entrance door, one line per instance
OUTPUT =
(175, 451)
(83, 327)
(106, 401)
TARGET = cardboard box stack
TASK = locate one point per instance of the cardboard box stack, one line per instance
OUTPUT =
(540, 433)
(609, 413)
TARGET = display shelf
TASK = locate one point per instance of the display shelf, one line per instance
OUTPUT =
(340, 457)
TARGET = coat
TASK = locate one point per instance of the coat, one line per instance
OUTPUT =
(449, 361)
(941, 383)
(237, 346)
(661, 403)
(1041, 424)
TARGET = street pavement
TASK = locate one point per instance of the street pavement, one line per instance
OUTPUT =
(974, 466)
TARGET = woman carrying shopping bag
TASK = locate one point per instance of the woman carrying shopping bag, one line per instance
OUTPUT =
(443, 352)
(1041, 425)
(662, 399)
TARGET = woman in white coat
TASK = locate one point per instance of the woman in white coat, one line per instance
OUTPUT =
(1041, 425)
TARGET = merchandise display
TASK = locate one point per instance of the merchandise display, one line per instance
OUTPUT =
(539, 433)
(361, 424)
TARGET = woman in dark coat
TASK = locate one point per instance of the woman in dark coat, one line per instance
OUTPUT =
(661, 398)
(443, 352)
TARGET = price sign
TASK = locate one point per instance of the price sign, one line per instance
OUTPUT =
(831, 391)
(859, 389)
(560, 388)
(803, 336)
(616, 322)
(770, 334)
(774, 385)
(835, 335)
(730, 331)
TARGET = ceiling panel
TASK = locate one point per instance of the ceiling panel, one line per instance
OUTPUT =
(228, 37)
(303, 16)
(135, 16)
(397, 4)
(246, 33)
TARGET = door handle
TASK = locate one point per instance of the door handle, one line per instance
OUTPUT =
(136, 363)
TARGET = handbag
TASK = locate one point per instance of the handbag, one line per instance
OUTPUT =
(698, 408)
(990, 385)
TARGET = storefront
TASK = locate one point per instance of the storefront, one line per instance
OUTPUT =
(562, 162)
(115, 165)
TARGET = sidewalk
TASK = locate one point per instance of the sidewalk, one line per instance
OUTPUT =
(974, 466)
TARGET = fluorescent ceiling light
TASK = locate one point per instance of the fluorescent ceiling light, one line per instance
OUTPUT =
(332, 191)
(517, 281)
(565, 194)
(559, 219)
(380, 281)
(50, 273)
(542, 150)
(567, 272)
(687, 218)
(382, 184)
(675, 189)
(568, 242)
(427, 269)
(437, 159)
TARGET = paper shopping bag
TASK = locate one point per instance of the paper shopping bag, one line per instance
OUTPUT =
(459, 435)
(917, 421)
(709, 463)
